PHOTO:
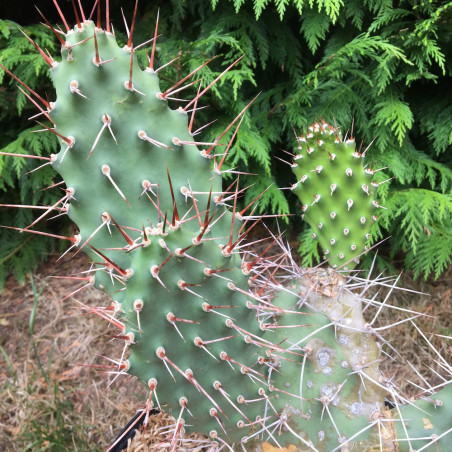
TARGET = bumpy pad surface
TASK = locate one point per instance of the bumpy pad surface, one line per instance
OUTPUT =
(336, 192)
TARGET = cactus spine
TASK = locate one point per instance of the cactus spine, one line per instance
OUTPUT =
(285, 357)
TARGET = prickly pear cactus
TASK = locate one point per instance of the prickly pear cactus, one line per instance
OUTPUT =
(336, 191)
(153, 213)
(253, 353)
(425, 424)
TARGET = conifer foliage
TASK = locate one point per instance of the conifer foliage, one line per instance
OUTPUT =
(19, 183)
(380, 71)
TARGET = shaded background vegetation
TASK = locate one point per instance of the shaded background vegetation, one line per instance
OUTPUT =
(384, 66)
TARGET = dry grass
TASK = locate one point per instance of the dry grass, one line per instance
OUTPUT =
(77, 411)
(436, 305)
(76, 407)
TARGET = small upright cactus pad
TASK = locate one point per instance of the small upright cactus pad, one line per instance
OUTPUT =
(337, 193)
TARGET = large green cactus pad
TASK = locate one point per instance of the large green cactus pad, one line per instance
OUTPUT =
(426, 423)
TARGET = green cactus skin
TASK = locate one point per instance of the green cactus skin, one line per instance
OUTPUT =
(424, 425)
(336, 192)
(287, 359)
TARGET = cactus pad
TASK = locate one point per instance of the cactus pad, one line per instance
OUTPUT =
(337, 193)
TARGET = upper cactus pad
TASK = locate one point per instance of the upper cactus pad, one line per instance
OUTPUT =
(337, 193)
